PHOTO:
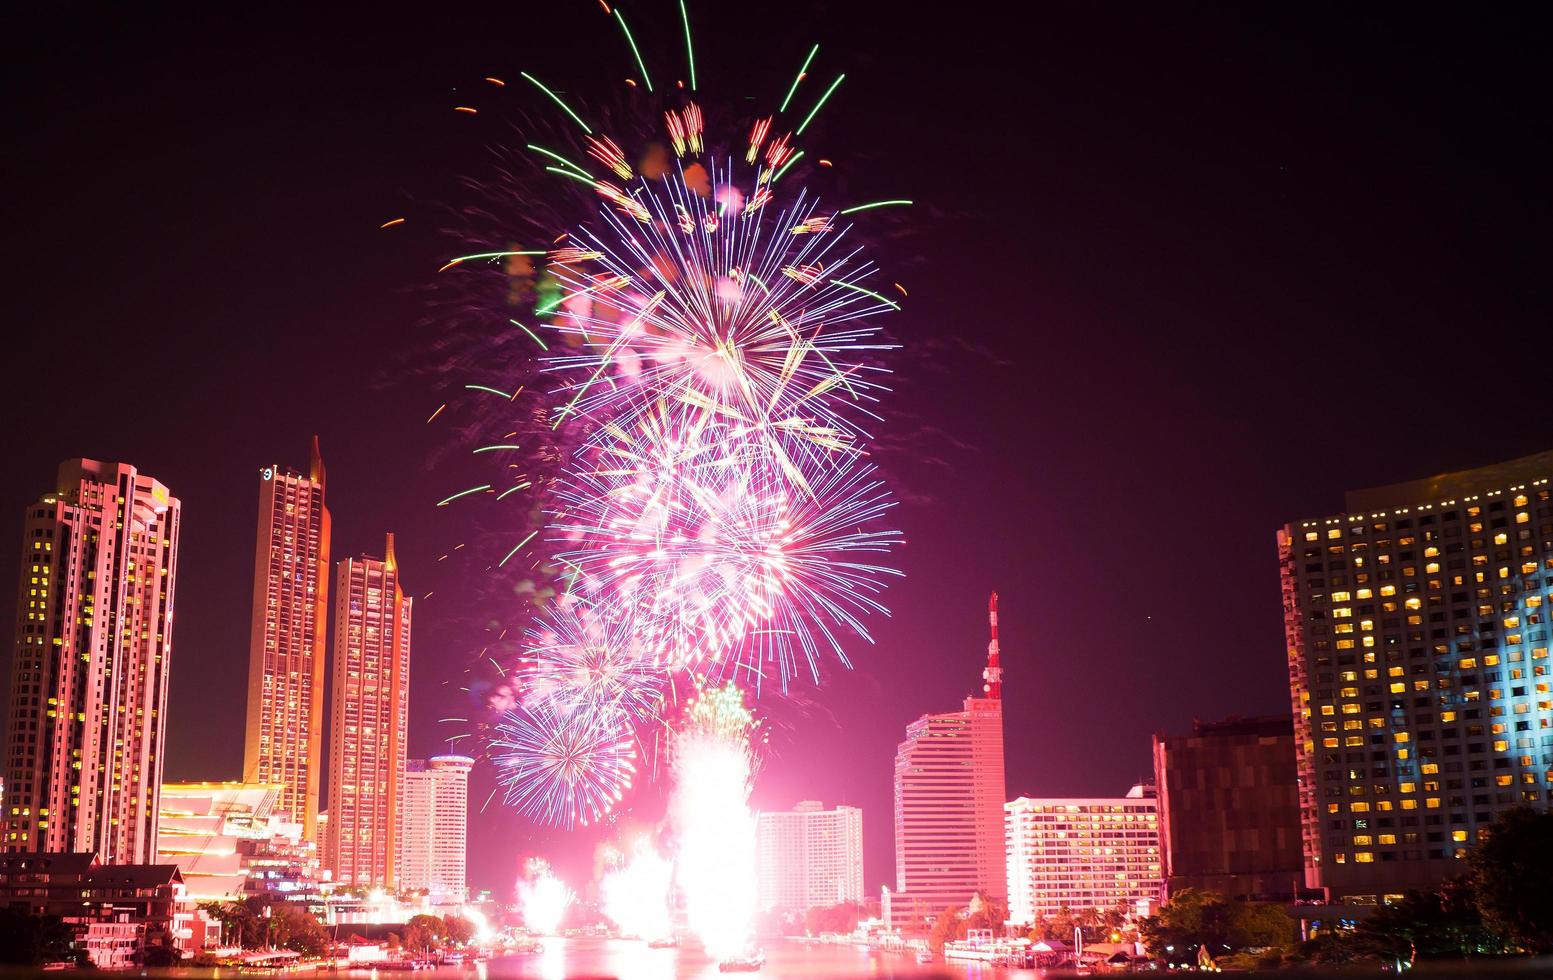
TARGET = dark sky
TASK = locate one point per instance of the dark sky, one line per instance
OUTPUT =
(1177, 275)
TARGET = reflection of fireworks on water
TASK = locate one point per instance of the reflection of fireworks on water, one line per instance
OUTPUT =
(713, 774)
(545, 899)
(636, 895)
(564, 767)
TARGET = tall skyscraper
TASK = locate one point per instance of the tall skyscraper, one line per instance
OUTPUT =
(83, 754)
(1229, 808)
(808, 856)
(1083, 854)
(370, 719)
(1417, 627)
(283, 744)
(949, 794)
(434, 826)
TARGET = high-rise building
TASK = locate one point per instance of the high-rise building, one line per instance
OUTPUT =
(1229, 809)
(1083, 854)
(434, 827)
(370, 718)
(283, 743)
(83, 754)
(949, 793)
(808, 856)
(1417, 628)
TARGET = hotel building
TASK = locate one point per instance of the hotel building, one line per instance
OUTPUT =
(370, 720)
(434, 827)
(808, 856)
(1083, 854)
(1229, 809)
(949, 793)
(83, 752)
(283, 741)
(1417, 629)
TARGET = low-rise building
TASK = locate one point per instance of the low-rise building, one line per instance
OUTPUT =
(119, 912)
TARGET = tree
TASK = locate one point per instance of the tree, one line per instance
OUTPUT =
(1513, 874)
(31, 940)
(945, 928)
(983, 914)
(1444, 922)
(458, 929)
(423, 933)
(299, 930)
(841, 918)
(240, 923)
(1190, 919)
(1256, 926)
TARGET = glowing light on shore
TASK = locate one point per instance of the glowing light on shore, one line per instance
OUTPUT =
(545, 900)
(636, 896)
(715, 868)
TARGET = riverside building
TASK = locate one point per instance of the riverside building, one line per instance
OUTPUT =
(949, 793)
(1417, 633)
(283, 740)
(808, 856)
(93, 646)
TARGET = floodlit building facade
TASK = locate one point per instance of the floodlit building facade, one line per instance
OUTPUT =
(370, 719)
(434, 827)
(949, 793)
(808, 856)
(230, 840)
(283, 741)
(1083, 854)
(83, 752)
(1229, 809)
(1417, 629)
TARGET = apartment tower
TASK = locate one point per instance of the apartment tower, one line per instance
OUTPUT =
(370, 719)
(949, 793)
(83, 752)
(283, 743)
(808, 856)
(1417, 629)
(434, 827)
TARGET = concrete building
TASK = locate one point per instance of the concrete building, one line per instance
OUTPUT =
(1229, 809)
(434, 827)
(949, 793)
(370, 718)
(116, 911)
(93, 647)
(808, 856)
(230, 840)
(1083, 854)
(283, 741)
(1417, 629)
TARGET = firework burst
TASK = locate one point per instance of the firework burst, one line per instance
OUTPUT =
(564, 767)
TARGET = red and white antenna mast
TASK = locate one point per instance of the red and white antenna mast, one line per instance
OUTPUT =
(993, 675)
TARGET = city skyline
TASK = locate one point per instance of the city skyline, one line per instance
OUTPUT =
(1106, 428)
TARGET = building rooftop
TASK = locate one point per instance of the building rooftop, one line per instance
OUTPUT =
(1495, 477)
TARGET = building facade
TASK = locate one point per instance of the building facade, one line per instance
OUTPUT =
(283, 741)
(1081, 854)
(434, 827)
(230, 840)
(1229, 809)
(116, 911)
(808, 856)
(1417, 629)
(949, 793)
(371, 716)
(83, 752)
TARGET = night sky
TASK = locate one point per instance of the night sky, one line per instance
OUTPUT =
(1176, 276)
